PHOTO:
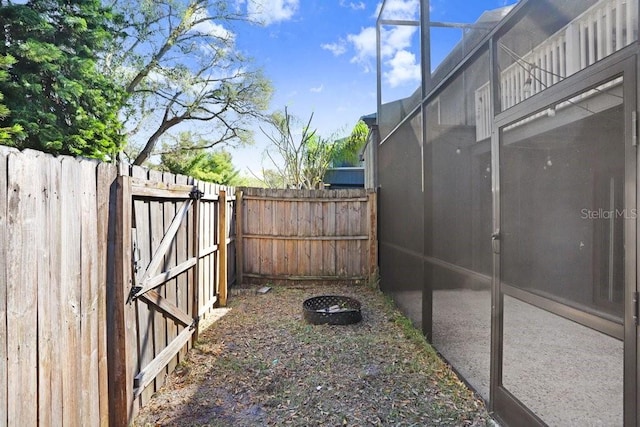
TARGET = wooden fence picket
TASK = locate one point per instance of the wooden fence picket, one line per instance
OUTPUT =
(4, 153)
(21, 294)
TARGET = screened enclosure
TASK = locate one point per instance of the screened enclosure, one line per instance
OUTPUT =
(508, 210)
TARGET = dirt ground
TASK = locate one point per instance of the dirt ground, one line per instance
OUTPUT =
(261, 364)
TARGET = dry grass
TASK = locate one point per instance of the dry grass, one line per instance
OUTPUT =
(261, 365)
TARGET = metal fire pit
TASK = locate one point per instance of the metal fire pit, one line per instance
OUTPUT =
(332, 310)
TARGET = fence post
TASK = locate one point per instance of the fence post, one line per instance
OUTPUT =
(107, 187)
(239, 242)
(196, 268)
(373, 235)
(222, 248)
(122, 322)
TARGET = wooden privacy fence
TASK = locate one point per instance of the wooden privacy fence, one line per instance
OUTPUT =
(53, 249)
(320, 235)
(104, 273)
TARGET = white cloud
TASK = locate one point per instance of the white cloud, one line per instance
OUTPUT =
(338, 48)
(204, 25)
(364, 44)
(271, 11)
(317, 89)
(399, 64)
(400, 9)
(239, 5)
(402, 69)
(355, 6)
(393, 39)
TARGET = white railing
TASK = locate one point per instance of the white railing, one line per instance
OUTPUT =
(483, 112)
(604, 28)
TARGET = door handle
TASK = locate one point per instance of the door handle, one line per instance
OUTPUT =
(495, 242)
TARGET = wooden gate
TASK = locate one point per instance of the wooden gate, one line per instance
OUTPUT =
(156, 298)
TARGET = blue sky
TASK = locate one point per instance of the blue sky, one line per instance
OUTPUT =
(320, 57)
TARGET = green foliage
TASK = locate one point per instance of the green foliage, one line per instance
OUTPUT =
(348, 152)
(54, 90)
(272, 178)
(188, 158)
(318, 155)
(7, 132)
(216, 167)
(301, 158)
(244, 180)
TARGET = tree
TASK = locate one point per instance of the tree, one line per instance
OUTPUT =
(272, 178)
(186, 158)
(248, 181)
(348, 152)
(54, 90)
(7, 132)
(300, 159)
(217, 166)
(178, 65)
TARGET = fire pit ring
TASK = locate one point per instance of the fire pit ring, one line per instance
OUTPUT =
(332, 310)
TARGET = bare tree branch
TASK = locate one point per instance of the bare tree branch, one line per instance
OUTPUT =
(301, 162)
(178, 69)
